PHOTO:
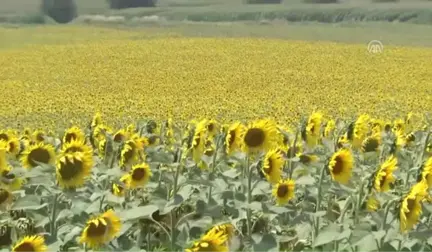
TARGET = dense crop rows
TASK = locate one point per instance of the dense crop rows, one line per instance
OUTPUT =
(225, 79)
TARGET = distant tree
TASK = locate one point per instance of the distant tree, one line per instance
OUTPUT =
(122, 4)
(61, 11)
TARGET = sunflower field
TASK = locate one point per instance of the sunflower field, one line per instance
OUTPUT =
(215, 145)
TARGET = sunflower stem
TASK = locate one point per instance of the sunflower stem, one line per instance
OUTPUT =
(292, 152)
(212, 168)
(53, 228)
(249, 199)
(386, 212)
(317, 207)
(359, 203)
(101, 203)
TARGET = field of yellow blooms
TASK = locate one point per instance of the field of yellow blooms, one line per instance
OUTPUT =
(215, 145)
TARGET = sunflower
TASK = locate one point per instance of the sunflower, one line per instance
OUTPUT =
(272, 165)
(120, 136)
(227, 229)
(73, 169)
(340, 166)
(283, 191)
(138, 176)
(360, 130)
(9, 180)
(411, 206)
(260, 135)
(13, 146)
(41, 153)
(3, 157)
(198, 143)
(329, 129)
(77, 146)
(233, 139)
(38, 136)
(96, 120)
(427, 172)
(102, 148)
(384, 177)
(101, 229)
(118, 189)
(73, 133)
(377, 126)
(284, 140)
(214, 241)
(6, 198)
(4, 136)
(372, 204)
(307, 158)
(399, 126)
(100, 131)
(296, 150)
(129, 154)
(35, 243)
(212, 128)
(312, 131)
(370, 144)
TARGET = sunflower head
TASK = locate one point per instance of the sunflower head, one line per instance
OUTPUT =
(73, 134)
(101, 229)
(372, 204)
(138, 176)
(340, 166)
(72, 169)
(426, 172)
(283, 191)
(214, 241)
(129, 154)
(77, 146)
(97, 120)
(329, 129)
(313, 129)
(233, 138)
(3, 157)
(272, 165)
(10, 180)
(38, 153)
(13, 146)
(34, 243)
(260, 135)
(370, 144)
(384, 177)
(411, 206)
(120, 136)
(39, 136)
(307, 158)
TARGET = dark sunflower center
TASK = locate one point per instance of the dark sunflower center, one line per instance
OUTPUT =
(4, 195)
(282, 190)
(232, 137)
(138, 174)
(269, 169)
(69, 170)
(4, 136)
(96, 231)
(69, 137)
(211, 127)
(338, 166)
(370, 145)
(254, 137)
(39, 155)
(12, 146)
(411, 206)
(128, 155)
(40, 137)
(305, 159)
(118, 137)
(383, 180)
(25, 247)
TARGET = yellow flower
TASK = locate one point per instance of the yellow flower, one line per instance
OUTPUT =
(73, 169)
(3, 157)
(340, 166)
(13, 146)
(212, 128)
(284, 191)
(4, 136)
(361, 127)
(73, 134)
(77, 146)
(100, 131)
(260, 135)
(138, 176)
(42, 153)
(372, 203)
(101, 230)
(39, 136)
(384, 176)
(370, 144)
(214, 241)
(198, 142)
(399, 126)
(9, 180)
(233, 139)
(329, 129)
(272, 165)
(427, 172)
(120, 136)
(307, 158)
(129, 154)
(35, 243)
(411, 206)
(97, 120)
(226, 229)
(313, 128)
(118, 190)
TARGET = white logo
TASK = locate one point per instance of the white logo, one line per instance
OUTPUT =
(375, 46)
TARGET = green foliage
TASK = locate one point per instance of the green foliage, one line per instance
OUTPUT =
(122, 4)
(62, 11)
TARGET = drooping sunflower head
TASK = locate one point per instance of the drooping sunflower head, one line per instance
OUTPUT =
(38, 153)
(399, 126)
(35, 243)
(227, 229)
(283, 191)
(340, 166)
(13, 146)
(197, 145)
(73, 169)
(361, 128)
(377, 126)
(212, 128)
(260, 135)
(372, 204)
(313, 129)
(307, 158)
(39, 136)
(96, 120)
(101, 230)
(73, 134)
(120, 136)
(272, 165)
(214, 241)
(329, 129)
(99, 132)
(411, 206)
(233, 139)
(131, 129)
(370, 144)
(10, 180)
(426, 172)
(128, 154)
(384, 177)
(138, 176)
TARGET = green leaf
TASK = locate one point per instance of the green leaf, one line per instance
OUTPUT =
(28, 202)
(175, 202)
(278, 209)
(185, 192)
(72, 234)
(328, 234)
(64, 214)
(229, 195)
(256, 206)
(138, 213)
(378, 235)
(268, 243)
(305, 180)
(232, 173)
